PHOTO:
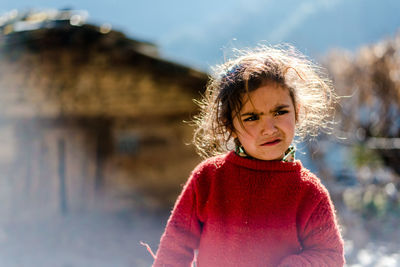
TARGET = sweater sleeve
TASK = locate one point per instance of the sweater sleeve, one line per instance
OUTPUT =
(321, 241)
(182, 233)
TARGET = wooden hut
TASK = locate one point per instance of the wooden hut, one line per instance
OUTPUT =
(90, 120)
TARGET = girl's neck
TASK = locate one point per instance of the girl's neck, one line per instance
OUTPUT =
(288, 157)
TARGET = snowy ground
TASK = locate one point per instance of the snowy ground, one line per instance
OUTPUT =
(98, 241)
(114, 241)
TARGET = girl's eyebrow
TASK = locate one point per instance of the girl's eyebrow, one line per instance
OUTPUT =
(283, 106)
(248, 114)
(278, 107)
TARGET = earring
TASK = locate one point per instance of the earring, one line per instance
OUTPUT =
(290, 154)
(239, 149)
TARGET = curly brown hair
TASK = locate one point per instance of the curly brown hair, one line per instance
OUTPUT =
(310, 89)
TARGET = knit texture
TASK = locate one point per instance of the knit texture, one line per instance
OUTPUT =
(239, 212)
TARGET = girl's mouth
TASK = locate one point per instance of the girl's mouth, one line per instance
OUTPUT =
(274, 142)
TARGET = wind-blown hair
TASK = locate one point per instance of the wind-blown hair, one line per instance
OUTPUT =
(311, 92)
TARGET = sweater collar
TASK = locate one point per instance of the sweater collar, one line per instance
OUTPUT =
(264, 165)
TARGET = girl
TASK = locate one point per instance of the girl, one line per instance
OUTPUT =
(250, 203)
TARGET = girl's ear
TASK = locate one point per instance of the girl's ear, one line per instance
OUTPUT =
(297, 112)
(233, 134)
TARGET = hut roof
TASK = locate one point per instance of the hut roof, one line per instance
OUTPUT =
(38, 30)
(67, 66)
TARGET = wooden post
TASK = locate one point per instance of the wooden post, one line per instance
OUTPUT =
(61, 175)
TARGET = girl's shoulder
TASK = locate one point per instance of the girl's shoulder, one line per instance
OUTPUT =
(312, 182)
(207, 171)
(211, 164)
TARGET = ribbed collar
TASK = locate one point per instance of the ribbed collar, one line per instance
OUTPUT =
(263, 165)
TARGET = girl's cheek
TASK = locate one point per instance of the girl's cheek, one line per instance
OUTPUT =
(252, 127)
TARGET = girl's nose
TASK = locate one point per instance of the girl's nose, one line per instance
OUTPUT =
(268, 127)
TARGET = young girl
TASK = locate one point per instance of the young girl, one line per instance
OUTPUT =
(250, 203)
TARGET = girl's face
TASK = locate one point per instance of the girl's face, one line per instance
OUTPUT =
(265, 125)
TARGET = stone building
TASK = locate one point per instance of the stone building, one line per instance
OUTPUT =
(90, 120)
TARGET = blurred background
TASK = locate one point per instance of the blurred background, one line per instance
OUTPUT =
(94, 103)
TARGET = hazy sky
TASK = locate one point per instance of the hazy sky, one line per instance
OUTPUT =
(154, 20)
(197, 32)
(158, 21)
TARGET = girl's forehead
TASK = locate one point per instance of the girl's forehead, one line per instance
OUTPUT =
(267, 95)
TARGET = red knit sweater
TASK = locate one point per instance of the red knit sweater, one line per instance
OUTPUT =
(244, 212)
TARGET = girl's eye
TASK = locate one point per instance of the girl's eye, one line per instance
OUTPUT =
(252, 118)
(281, 112)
